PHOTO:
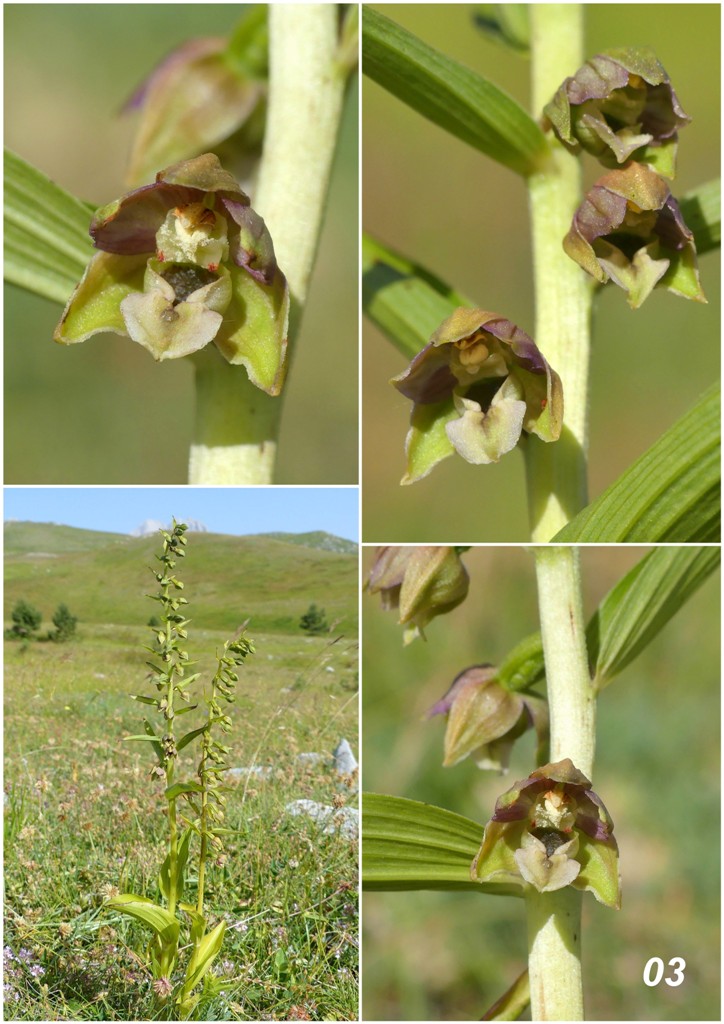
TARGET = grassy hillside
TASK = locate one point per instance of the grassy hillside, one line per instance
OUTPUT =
(102, 577)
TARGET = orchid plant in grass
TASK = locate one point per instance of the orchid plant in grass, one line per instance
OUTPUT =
(481, 382)
(188, 263)
(185, 938)
(549, 838)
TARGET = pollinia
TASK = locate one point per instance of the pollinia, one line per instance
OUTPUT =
(184, 945)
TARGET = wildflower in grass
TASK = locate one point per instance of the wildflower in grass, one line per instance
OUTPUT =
(162, 987)
(629, 230)
(37, 971)
(549, 831)
(477, 387)
(422, 582)
(484, 719)
(620, 105)
(185, 262)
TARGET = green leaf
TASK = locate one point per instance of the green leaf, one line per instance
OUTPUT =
(183, 787)
(47, 245)
(164, 924)
(513, 1002)
(166, 884)
(203, 956)
(641, 604)
(185, 740)
(701, 209)
(451, 95)
(671, 493)
(508, 24)
(524, 665)
(403, 299)
(145, 700)
(411, 845)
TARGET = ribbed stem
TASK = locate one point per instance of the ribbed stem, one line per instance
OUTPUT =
(557, 471)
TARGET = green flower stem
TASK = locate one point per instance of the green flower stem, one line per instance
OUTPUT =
(557, 472)
(306, 90)
(554, 919)
(237, 424)
(170, 764)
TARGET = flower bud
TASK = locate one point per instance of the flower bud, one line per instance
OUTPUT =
(199, 95)
(421, 582)
(185, 262)
(477, 385)
(620, 105)
(629, 229)
(549, 831)
(484, 719)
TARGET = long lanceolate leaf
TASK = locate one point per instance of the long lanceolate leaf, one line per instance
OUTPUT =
(672, 493)
(641, 604)
(403, 299)
(47, 245)
(411, 845)
(630, 616)
(454, 97)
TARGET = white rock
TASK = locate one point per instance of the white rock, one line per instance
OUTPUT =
(329, 819)
(344, 760)
(261, 771)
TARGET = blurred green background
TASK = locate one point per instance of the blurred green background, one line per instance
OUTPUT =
(449, 956)
(464, 217)
(104, 412)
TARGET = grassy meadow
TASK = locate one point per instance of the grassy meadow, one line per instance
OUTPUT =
(84, 820)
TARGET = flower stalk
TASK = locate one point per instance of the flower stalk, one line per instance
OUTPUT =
(557, 473)
(237, 427)
(554, 918)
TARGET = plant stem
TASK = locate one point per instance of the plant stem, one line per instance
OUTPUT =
(235, 439)
(554, 919)
(556, 472)
(237, 425)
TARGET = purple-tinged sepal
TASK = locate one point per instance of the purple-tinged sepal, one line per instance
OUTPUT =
(549, 831)
(420, 582)
(620, 106)
(484, 719)
(629, 230)
(477, 386)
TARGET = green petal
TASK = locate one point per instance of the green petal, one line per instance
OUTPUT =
(599, 871)
(95, 305)
(427, 441)
(254, 331)
(682, 277)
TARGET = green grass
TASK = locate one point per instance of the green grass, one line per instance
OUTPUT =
(83, 817)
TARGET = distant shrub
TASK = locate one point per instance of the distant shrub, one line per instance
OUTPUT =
(64, 623)
(314, 620)
(26, 622)
(154, 622)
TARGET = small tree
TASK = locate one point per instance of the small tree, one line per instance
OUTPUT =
(64, 623)
(26, 622)
(314, 621)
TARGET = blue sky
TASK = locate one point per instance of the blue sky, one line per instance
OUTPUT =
(223, 510)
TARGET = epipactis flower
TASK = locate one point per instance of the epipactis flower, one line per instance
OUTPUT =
(629, 229)
(421, 582)
(549, 831)
(477, 385)
(620, 105)
(484, 719)
(185, 262)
